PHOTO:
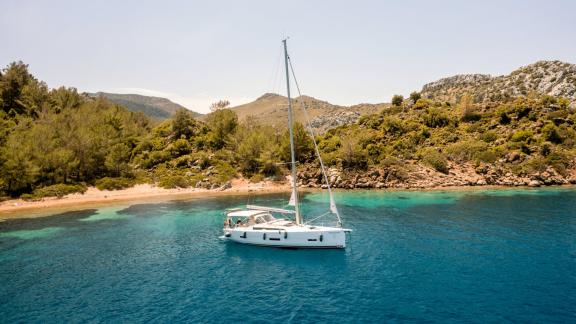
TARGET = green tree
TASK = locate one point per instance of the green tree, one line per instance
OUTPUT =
(397, 100)
(220, 104)
(303, 145)
(183, 124)
(19, 171)
(352, 155)
(64, 99)
(20, 92)
(222, 123)
(249, 152)
(117, 158)
(415, 96)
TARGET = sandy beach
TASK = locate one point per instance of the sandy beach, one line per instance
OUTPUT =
(18, 208)
(143, 193)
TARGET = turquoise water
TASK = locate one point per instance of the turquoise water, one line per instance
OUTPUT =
(481, 256)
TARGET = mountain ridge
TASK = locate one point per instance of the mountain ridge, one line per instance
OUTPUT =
(272, 108)
(555, 78)
(155, 107)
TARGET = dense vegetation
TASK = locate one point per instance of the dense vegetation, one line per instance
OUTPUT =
(54, 142)
(527, 134)
(51, 137)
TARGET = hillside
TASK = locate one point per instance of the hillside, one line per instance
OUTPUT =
(552, 78)
(56, 141)
(271, 109)
(154, 107)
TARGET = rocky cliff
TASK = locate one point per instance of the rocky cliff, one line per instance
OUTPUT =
(553, 78)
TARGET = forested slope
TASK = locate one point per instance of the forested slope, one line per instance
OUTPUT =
(56, 141)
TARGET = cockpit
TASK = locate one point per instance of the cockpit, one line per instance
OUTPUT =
(239, 218)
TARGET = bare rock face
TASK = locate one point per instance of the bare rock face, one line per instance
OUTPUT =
(534, 183)
(553, 78)
(337, 118)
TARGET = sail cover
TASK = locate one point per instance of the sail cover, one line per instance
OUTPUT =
(292, 201)
(333, 204)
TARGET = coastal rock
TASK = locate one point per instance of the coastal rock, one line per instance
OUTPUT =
(225, 186)
(380, 185)
(512, 156)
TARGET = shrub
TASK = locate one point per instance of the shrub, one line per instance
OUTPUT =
(224, 172)
(171, 182)
(471, 115)
(58, 190)
(558, 114)
(394, 126)
(421, 104)
(180, 147)
(256, 177)
(522, 111)
(435, 159)
(503, 117)
(374, 151)
(546, 149)
(29, 197)
(547, 101)
(371, 121)
(330, 144)
(535, 164)
(489, 136)
(522, 136)
(201, 159)
(559, 161)
(391, 161)
(435, 118)
(563, 102)
(420, 136)
(154, 158)
(352, 155)
(114, 183)
(466, 150)
(486, 156)
(551, 133)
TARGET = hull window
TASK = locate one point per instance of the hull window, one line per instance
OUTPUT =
(274, 239)
(312, 240)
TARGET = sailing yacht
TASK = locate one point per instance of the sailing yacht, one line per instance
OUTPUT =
(277, 227)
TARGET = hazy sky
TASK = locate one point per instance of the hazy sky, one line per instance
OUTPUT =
(345, 52)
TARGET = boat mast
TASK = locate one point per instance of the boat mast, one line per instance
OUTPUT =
(292, 154)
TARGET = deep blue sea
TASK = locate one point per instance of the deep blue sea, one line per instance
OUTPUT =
(458, 256)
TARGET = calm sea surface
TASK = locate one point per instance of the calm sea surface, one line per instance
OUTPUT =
(476, 256)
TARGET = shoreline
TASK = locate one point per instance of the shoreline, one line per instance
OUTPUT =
(93, 197)
(146, 193)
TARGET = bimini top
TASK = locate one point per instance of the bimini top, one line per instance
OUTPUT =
(245, 213)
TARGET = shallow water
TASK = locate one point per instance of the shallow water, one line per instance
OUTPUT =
(474, 256)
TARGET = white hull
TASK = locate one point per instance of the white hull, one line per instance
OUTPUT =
(305, 237)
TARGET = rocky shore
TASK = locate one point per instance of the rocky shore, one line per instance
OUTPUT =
(418, 176)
